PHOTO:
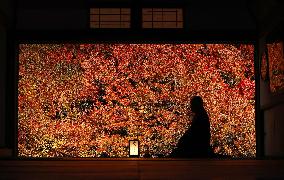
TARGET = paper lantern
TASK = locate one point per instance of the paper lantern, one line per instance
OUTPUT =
(134, 148)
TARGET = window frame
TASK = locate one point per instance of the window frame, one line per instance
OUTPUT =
(120, 22)
(177, 22)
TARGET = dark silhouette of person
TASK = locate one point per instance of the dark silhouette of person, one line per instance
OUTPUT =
(196, 140)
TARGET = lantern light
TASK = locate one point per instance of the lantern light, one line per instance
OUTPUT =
(134, 148)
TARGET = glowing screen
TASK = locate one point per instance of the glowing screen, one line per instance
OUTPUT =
(89, 100)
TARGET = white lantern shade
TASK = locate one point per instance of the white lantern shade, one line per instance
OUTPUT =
(133, 148)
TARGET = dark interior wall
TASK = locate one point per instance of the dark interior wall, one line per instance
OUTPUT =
(230, 15)
(202, 15)
(2, 84)
(272, 106)
(51, 15)
(52, 18)
(5, 24)
(270, 16)
(274, 134)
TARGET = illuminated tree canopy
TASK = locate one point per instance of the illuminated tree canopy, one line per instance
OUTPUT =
(89, 100)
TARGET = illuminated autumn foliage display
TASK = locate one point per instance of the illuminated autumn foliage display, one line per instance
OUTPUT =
(89, 100)
(276, 66)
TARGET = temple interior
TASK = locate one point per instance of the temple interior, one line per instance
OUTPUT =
(101, 88)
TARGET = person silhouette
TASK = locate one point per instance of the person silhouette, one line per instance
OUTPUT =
(196, 140)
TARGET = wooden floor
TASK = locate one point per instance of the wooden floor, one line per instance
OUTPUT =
(132, 168)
